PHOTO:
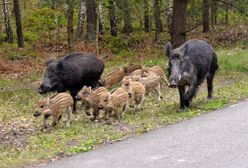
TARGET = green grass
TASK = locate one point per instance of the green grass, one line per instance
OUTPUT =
(84, 135)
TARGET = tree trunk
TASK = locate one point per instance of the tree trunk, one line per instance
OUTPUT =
(226, 16)
(146, 16)
(178, 30)
(91, 20)
(81, 18)
(127, 29)
(7, 22)
(101, 18)
(53, 4)
(214, 12)
(1, 33)
(205, 16)
(18, 24)
(157, 16)
(170, 13)
(112, 17)
(70, 24)
(98, 26)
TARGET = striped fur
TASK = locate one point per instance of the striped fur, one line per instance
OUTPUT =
(55, 106)
(113, 78)
(151, 82)
(118, 102)
(136, 90)
(91, 99)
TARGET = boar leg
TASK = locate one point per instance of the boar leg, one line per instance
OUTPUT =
(95, 113)
(68, 116)
(158, 89)
(210, 86)
(46, 116)
(190, 94)
(182, 96)
(74, 94)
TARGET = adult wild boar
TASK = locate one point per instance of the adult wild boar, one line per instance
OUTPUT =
(189, 65)
(71, 73)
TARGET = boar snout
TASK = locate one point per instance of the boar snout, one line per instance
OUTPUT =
(36, 114)
(78, 97)
(44, 89)
(173, 84)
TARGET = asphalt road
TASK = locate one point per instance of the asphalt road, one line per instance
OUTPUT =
(215, 140)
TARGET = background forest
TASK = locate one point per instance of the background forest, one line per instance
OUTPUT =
(120, 32)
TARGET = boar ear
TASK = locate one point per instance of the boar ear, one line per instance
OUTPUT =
(49, 61)
(125, 70)
(168, 49)
(60, 65)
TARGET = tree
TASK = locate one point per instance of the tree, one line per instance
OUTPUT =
(127, 28)
(53, 4)
(146, 16)
(112, 17)
(205, 16)
(178, 29)
(91, 20)
(169, 13)
(81, 17)
(7, 22)
(214, 8)
(70, 24)
(101, 17)
(157, 16)
(18, 24)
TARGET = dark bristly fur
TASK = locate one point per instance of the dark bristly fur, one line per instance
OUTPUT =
(189, 65)
(71, 73)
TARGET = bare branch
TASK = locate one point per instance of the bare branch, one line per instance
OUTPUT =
(235, 6)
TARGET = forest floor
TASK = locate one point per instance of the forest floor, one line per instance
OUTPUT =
(23, 141)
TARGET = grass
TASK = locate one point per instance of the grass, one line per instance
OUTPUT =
(38, 144)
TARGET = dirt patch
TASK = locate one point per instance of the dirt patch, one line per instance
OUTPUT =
(15, 132)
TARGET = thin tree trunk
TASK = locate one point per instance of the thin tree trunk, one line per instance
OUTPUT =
(226, 16)
(169, 13)
(98, 26)
(146, 16)
(81, 18)
(214, 12)
(206, 16)
(1, 33)
(178, 30)
(112, 17)
(18, 24)
(7, 22)
(70, 24)
(127, 29)
(53, 4)
(91, 20)
(101, 18)
(157, 16)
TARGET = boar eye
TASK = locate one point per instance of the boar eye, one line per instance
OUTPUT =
(105, 100)
(41, 106)
(127, 84)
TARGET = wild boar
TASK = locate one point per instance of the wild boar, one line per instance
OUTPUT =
(113, 78)
(151, 82)
(117, 102)
(189, 65)
(55, 106)
(136, 89)
(91, 99)
(71, 73)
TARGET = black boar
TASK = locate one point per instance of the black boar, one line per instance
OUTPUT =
(71, 73)
(189, 65)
